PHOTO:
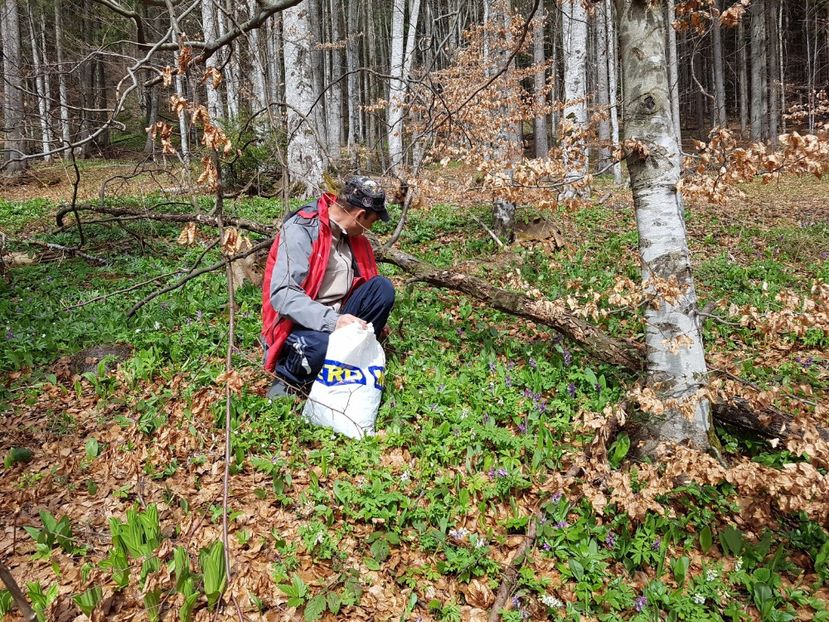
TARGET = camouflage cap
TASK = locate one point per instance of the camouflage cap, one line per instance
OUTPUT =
(367, 194)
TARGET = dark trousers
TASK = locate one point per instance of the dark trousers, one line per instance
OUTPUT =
(304, 351)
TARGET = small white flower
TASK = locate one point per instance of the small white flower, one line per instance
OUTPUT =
(552, 602)
(137, 330)
(738, 565)
(157, 325)
(320, 537)
(405, 477)
(480, 542)
(711, 575)
(458, 534)
(699, 599)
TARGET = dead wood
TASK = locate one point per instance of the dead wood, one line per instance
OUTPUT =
(511, 573)
(19, 599)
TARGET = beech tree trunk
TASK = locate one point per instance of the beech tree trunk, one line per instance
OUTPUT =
(40, 88)
(396, 85)
(673, 73)
(742, 64)
(719, 75)
(352, 52)
(574, 47)
(603, 86)
(334, 103)
(214, 96)
(539, 84)
(759, 70)
(676, 368)
(774, 70)
(305, 158)
(613, 83)
(13, 146)
(257, 72)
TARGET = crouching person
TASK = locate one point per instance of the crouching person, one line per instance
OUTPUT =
(321, 275)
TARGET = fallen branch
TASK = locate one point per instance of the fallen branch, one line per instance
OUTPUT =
(511, 573)
(19, 599)
(69, 250)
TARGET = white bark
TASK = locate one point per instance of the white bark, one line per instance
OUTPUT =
(352, 81)
(613, 83)
(40, 89)
(758, 70)
(574, 33)
(63, 91)
(397, 92)
(675, 353)
(230, 72)
(305, 156)
(334, 105)
(719, 77)
(214, 96)
(673, 73)
(539, 84)
(13, 146)
(602, 86)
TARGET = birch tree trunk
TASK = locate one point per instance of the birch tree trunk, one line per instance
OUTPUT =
(574, 49)
(214, 96)
(40, 88)
(539, 84)
(675, 353)
(352, 52)
(13, 146)
(613, 83)
(305, 159)
(397, 95)
(719, 76)
(602, 86)
(758, 70)
(673, 73)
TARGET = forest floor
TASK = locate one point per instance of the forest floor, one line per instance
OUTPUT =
(115, 507)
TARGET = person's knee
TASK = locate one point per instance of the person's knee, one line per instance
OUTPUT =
(384, 288)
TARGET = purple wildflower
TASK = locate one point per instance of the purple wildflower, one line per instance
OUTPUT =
(492, 367)
(571, 389)
(532, 362)
(546, 546)
(610, 540)
(640, 603)
(542, 406)
(516, 602)
(568, 358)
(508, 380)
(9, 334)
(562, 524)
(556, 497)
(656, 544)
(502, 472)
(522, 427)
(459, 331)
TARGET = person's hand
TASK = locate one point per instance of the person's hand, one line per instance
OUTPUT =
(346, 319)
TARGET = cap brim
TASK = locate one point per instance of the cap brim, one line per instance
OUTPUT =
(384, 215)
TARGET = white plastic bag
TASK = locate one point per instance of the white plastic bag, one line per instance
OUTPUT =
(346, 394)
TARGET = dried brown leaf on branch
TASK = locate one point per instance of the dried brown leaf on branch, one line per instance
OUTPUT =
(213, 75)
(167, 75)
(187, 237)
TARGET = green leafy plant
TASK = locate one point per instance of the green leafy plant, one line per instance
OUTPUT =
(54, 533)
(89, 599)
(214, 573)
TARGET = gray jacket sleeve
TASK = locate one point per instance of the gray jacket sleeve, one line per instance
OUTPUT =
(289, 271)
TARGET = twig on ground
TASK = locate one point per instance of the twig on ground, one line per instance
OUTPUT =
(122, 291)
(511, 573)
(488, 230)
(70, 250)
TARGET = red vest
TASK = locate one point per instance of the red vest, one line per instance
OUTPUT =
(276, 328)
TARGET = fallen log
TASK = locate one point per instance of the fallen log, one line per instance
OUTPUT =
(766, 422)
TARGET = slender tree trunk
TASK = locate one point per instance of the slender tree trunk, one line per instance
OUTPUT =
(47, 84)
(353, 81)
(396, 86)
(229, 78)
(334, 106)
(574, 33)
(539, 85)
(40, 87)
(13, 146)
(781, 63)
(758, 70)
(719, 74)
(317, 69)
(102, 140)
(774, 71)
(214, 94)
(555, 91)
(613, 83)
(675, 353)
(603, 86)
(742, 63)
(258, 73)
(673, 73)
(305, 159)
